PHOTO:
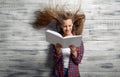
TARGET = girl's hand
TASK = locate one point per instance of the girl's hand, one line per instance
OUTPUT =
(73, 50)
(58, 48)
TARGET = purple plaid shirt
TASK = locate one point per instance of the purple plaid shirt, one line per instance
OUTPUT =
(73, 68)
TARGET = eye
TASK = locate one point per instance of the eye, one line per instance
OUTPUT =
(64, 26)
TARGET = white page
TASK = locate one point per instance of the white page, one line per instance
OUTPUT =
(54, 32)
(54, 37)
(74, 40)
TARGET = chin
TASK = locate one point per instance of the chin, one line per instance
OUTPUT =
(68, 33)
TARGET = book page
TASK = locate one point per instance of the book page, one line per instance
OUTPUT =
(72, 40)
(54, 33)
(53, 37)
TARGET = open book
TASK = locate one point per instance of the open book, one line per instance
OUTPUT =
(54, 37)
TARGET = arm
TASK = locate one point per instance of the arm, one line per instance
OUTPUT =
(80, 51)
(55, 55)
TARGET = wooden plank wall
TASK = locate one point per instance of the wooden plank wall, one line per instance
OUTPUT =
(24, 51)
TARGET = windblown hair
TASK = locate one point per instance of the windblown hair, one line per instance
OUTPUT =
(57, 14)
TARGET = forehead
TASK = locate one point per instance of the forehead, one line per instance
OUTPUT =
(67, 21)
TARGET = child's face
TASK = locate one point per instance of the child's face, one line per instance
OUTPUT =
(67, 26)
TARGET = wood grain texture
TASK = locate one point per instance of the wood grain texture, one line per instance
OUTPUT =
(24, 51)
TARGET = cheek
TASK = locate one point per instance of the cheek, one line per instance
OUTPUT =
(64, 29)
(71, 28)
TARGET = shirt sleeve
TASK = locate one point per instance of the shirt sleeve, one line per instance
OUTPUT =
(80, 52)
(56, 57)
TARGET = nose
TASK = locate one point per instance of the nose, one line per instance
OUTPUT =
(67, 28)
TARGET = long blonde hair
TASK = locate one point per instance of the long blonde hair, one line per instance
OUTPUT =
(57, 14)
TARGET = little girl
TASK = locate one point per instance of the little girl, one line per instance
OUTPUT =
(67, 59)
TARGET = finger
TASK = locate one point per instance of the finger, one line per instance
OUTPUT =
(58, 44)
(71, 46)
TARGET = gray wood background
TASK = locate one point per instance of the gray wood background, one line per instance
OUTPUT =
(24, 51)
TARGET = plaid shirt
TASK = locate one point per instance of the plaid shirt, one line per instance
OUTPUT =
(73, 68)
